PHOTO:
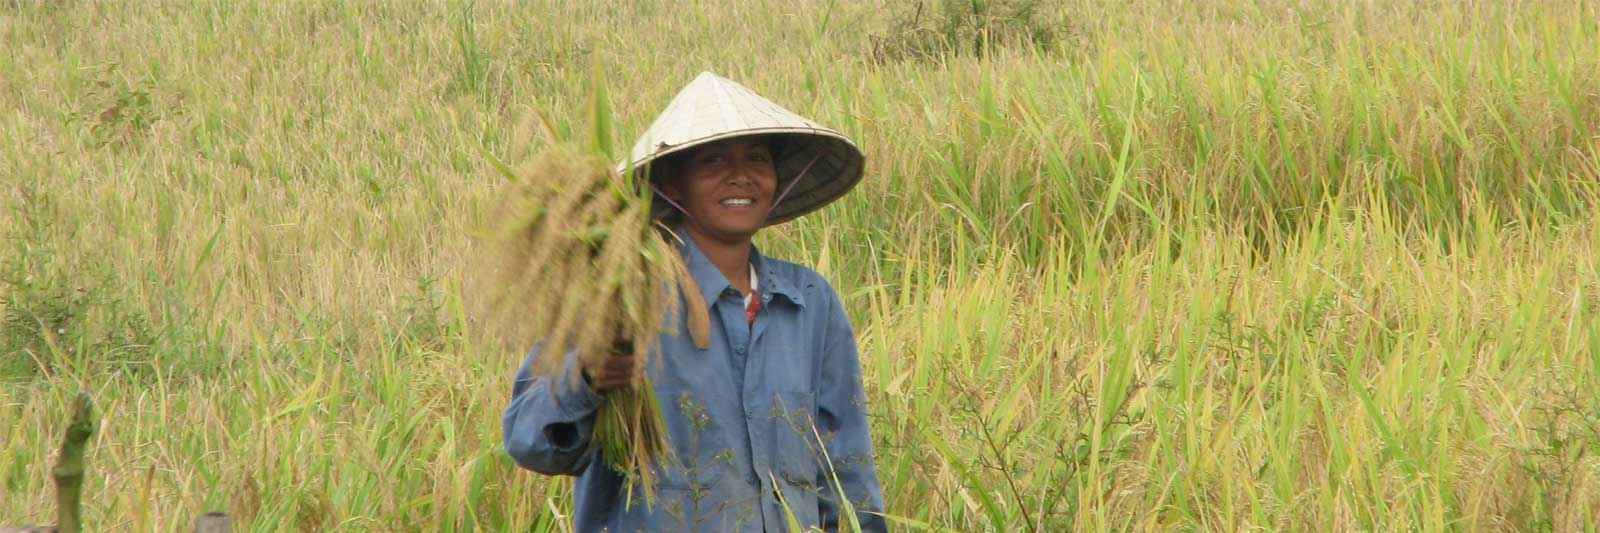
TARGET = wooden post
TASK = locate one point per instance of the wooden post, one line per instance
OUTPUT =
(68, 472)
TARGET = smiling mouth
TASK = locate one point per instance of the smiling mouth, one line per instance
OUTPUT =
(737, 202)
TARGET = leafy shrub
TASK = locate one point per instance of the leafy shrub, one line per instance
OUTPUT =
(51, 312)
(962, 27)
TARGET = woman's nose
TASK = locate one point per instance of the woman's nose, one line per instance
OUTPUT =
(744, 173)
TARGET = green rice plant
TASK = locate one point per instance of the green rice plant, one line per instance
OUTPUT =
(1345, 268)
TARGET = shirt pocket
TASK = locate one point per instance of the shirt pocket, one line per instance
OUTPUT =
(798, 454)
(689, 501)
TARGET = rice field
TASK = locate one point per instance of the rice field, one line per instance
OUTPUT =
(1222, 265)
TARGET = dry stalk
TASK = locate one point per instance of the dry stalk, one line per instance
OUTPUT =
(578, 266)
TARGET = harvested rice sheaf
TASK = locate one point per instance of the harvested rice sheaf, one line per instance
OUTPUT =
(579, 266)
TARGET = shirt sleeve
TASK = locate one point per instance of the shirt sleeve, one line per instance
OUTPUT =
(546, 427)
(842, 417)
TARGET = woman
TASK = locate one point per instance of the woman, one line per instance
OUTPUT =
(769, 419)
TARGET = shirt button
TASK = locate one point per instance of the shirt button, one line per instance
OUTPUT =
(749, 414)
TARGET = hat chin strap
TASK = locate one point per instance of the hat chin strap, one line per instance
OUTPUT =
(664, 196)
(775, 202)
(796, 181)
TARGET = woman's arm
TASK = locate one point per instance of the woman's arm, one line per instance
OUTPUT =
(842, 414)
(548, 423)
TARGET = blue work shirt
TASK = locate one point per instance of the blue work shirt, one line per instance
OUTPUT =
(745, 417)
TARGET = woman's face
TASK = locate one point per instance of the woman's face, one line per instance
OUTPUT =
(726, 188)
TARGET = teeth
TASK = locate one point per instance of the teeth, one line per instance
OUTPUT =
(736, 201)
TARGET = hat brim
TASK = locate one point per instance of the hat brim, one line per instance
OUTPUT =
(838, 167)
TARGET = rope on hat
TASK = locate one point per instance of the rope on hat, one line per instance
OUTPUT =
(796, 181)
(664, 196)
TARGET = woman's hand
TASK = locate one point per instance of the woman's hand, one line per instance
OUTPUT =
(618, 369)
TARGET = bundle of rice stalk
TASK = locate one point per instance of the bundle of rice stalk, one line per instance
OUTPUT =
(579, 266)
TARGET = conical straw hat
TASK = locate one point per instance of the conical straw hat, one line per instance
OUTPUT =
(712, 108)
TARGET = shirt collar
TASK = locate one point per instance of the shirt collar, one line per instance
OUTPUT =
(712, 283)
